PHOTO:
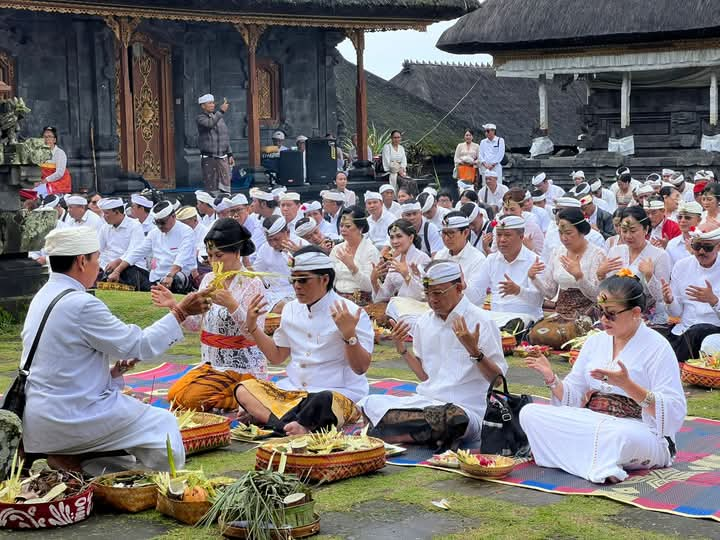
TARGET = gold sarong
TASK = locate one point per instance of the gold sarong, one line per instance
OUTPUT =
(205, 389)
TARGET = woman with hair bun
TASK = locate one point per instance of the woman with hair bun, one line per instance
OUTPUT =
(622, 404)
(54, 173)
(229, 354)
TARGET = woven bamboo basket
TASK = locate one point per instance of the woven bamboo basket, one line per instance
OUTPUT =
(508, 344)
(699, 376)
(111, 286)
(325, 467)
(125, 499)
(272, 323)
(67, 511)
(185, 512)
(213, 433)
(504, 465)
(283, 534)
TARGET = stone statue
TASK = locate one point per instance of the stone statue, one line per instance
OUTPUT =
(12, 111)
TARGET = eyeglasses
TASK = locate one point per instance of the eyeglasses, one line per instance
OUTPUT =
(610, 316)
(301, 280)
(437, 294)
(707, 248)
(449, 232)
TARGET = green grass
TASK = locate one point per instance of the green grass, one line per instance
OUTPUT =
(489, 517)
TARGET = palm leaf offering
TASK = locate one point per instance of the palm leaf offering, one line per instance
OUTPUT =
(325, 442)
(578, 342)
(44, 485)
(221, 276)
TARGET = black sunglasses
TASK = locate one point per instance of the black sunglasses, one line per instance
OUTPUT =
(610, 316)
(161, 222)
(707, 248)
(301, 280)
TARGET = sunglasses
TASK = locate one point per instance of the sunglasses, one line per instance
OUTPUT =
(437, 294)
(610, 316)
(161, 222)
(707, 248)
(301, 280)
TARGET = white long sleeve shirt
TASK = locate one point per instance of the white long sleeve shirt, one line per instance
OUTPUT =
(378, 233)
(470, 259)
(365, 256)
(433, 243)
(689, 272)
(390, 155)
(89, 219)
(59, 158)
(174, 248)
(493, 152)
(117, 242)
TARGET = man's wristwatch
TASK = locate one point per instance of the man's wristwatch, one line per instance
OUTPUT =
(352, 341)
(477, 358)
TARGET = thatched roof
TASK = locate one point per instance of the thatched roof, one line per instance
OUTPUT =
(391, 107)
(501, 25)
(511, 103)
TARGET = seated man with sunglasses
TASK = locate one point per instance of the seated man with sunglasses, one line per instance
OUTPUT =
(693, 294)
(329, 341)
(171, 246)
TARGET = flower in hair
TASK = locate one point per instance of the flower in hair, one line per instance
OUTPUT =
(493, 223)
(626, 272)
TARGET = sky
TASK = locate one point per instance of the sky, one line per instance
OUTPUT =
(385, 51)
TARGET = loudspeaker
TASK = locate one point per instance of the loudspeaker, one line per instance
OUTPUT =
(321, 160)
(291, 168)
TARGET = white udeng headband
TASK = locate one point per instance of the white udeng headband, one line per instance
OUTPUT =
(410, 207)
(313, 260)
(76, 200)
(277, 226)
(428, 203)
(372, 196)
(306, 227)
(71, 241)
(456, 222)
(442, 272)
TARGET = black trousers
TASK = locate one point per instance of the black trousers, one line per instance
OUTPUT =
(687, 345)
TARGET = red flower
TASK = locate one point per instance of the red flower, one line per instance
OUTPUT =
(493, 223)
(692, 229)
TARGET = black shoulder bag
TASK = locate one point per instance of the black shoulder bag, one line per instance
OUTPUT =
(501, 430)
(15, 397)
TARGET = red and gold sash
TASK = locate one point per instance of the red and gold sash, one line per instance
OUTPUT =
(225, 342)
(63, 185)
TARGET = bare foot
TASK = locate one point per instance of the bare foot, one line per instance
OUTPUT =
(612, 480)
(245, 417)
(65, 463)
(293, 428)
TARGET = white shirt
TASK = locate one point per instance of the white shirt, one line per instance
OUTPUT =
(543, 218)
(147, 225)
(554, 192)
(269, 259)
(317, 349)
(345, 281)
(610, 200)
(467, 154)
(440, 214)
(689, 272)
(433, 241)
(688, 193)
(208, 220)
(59, 158)
(350, 197)
(395, 284)
(199, 232)
(174, 248)
(390, 155)
(71, 399)
(677, 250)
(552, 240)
(490, 275)
(378, 233)
(470, 259)
(493, 198)
(89, 219)
(116, 242)
(394, 209)
(492, 152)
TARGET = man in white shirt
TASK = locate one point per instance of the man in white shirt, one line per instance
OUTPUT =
(456, 236)
(457, 356)
(314, 210)
(505, 274)
(290, 208)
(667, 174)
(492, 152)
(539, 214)
(689, 217)
(80, 216)
(480, 228)
(388, 196)
(428, 233)
(578, 177)
(693, 295)
(685, 188)
(75, 405)
(599, 219)
(379, 219)
(333, 202)
(308, 230)
(551, 191)
(205, 208)
(607, 196)
(273, 257)
(172, 246)
(430, 209)
(624, 186)
(329, 341)
(140, 207)
(492, 192)
(189, 216)
(118, 237)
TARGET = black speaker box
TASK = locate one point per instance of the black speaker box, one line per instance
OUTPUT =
(291, 168)
(321, 160)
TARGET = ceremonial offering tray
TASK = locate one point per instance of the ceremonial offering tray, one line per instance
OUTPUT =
(205, 431)
(128, 491)
(327, 456)
(233, 531)
(186, 495)
(508, 343)
(485, 465)
(700, 372)
(524, 349)
(249, 433)
(112, 286)
(447, 460)
(66, 511)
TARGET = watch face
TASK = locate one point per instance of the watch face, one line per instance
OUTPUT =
(352, 341)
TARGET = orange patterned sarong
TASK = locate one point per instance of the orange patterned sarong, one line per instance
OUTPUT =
(205, 389)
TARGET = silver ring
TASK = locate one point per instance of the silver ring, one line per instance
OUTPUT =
(605, 378)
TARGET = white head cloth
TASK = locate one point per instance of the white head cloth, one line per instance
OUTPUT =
(301, 138)
(645, 189)
(109, 204)
(699, 175)
(476, 211)
(667, 172)
(140, 200)
(577, 174)
(431, 190)
(653, 205)
(510, 222)
(708, 235)
(491, 174)
(279, 135)
(596, 185)
(162, 210)
(71, 241)
(278, 191)
(311, 206)
(222, 203)
(690, 208)
(261, 195)
(582, 189)
(207, 98)
(239, 200)
(386, 187)
(305, 226)
(413, 206)
(585, 199)
(455, 222)
(489, 126)
(539, 179)
(441, 272)
(429, 201)
(539, 198)
(307, 262)
(204, 196)
(567, 202)
(622, 170)
(176, 204)
(277, 226)
(332, 195)
(187, 212)
(51, 201)
(76, 200)
(677, 179)
(290, 196)
(372, 196)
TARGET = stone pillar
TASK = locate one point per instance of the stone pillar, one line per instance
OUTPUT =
(713, 99)
(625, 142)
(361, 126)
(542, 96)
(251, 34)
(542, 143)
(625, 101)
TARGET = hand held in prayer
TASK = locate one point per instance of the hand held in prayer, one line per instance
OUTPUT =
(704, 294)
(571, 264)
(400, 331)
(345, 257)
(666, 291)
(378, 272)
(467, 339)
(400, 267)
(487, 239)
(415, 269)
(509, 287)
(619, 378)
(647, 268)
(162, 297)
(257, 307)
(225, 106)
(327, 245)
(537, 267)
(609, 266)
(167, 281)
(196, 303)
(121, 366)
(345, 321)
(541, 364)
(224, 298)
(290, 247)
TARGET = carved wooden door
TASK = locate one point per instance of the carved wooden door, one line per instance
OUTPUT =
(150, 86)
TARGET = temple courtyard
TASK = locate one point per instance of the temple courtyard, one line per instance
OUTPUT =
(396, 502)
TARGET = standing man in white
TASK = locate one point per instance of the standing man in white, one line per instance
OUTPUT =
(492, 152)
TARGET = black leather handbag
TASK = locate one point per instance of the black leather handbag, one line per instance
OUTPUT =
(501, 430)
(15, 397)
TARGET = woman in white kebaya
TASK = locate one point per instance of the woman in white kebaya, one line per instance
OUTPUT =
(622, 404)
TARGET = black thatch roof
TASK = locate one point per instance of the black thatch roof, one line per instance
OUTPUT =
(511, 103)
(500, 25)
(391, 107)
